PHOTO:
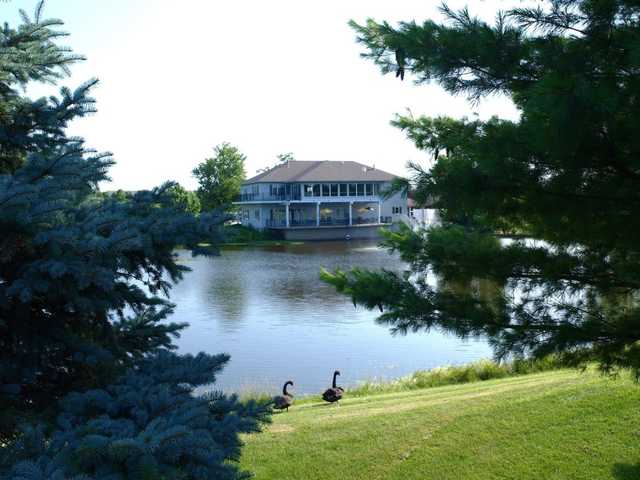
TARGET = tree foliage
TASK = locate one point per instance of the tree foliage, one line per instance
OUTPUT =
(147, 424)
(84, 279)
(185, 200)
(538, 249)
(220, 177)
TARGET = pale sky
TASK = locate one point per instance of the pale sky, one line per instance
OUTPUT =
(179, 77)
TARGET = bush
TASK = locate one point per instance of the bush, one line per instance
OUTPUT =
(246, 234)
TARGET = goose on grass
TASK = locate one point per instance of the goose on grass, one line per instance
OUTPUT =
(284, 401)
(334, 393)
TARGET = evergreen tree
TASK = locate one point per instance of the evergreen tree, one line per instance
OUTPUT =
(539, 245)
(146, 425)
(83, 284)
(220, 177)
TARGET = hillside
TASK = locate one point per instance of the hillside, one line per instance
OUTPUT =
(553, 425)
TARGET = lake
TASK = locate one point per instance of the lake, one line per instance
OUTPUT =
(268, 309)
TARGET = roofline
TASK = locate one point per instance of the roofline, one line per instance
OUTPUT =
(313, 165)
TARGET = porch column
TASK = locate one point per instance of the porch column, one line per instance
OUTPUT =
(317, 214)
(379, 212)
(350, 213)
(286, 213)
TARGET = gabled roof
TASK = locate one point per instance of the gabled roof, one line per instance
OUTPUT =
(321, 171)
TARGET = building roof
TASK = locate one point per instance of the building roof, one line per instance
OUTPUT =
(321, 171)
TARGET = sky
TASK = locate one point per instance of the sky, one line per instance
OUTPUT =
(179, 77)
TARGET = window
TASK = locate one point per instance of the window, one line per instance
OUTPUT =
(256, 214)
(396, 210)
(308, 190)
(316, 189)
(334, 189)
(326, 189)
(361, 189)
(276, 190)
(352, 189)
(343, 190)
(376, 188)
(369, 190)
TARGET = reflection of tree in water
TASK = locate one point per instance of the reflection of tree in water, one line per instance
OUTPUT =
(230, 299)
(295, 277)
(300, 288)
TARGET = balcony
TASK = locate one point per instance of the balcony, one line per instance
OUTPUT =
(327, 222)
(265, 197)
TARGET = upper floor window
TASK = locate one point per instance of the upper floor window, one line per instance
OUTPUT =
(308, 190)
(396, 210)
(361, 189)
(326, 189)
(352, 190)
(316, 189)
(343, 190)
(369, 189)
(277, 190)
(334, 189)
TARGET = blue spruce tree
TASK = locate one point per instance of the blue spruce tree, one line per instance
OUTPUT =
(85, 353)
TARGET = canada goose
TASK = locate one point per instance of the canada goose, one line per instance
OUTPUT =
(334, 393)
(280, 402)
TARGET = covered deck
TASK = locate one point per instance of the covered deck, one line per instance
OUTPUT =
(329, 215)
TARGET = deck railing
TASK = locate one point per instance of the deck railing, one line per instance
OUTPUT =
(326, 222)
(265, 197)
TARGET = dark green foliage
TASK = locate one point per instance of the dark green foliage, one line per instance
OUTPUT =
(220, 177)
(29, 53)
(146, 425)
(84, 279)
(561, 183)
(79, 272)
(246, 234)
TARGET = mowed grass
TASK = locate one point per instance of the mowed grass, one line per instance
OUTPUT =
(561, 424)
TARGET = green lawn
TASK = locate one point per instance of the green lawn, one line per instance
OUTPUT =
(553, 425)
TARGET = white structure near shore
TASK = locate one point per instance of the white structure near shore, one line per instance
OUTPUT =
(320, 200)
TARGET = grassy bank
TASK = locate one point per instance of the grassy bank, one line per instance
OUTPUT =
(559, 424)
(479, 371)
(242, 236)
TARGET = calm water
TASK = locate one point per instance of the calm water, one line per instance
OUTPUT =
(268, 309)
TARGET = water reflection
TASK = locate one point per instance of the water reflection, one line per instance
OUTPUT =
(268, 308)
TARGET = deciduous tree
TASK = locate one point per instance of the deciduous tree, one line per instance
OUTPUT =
(220, 177)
